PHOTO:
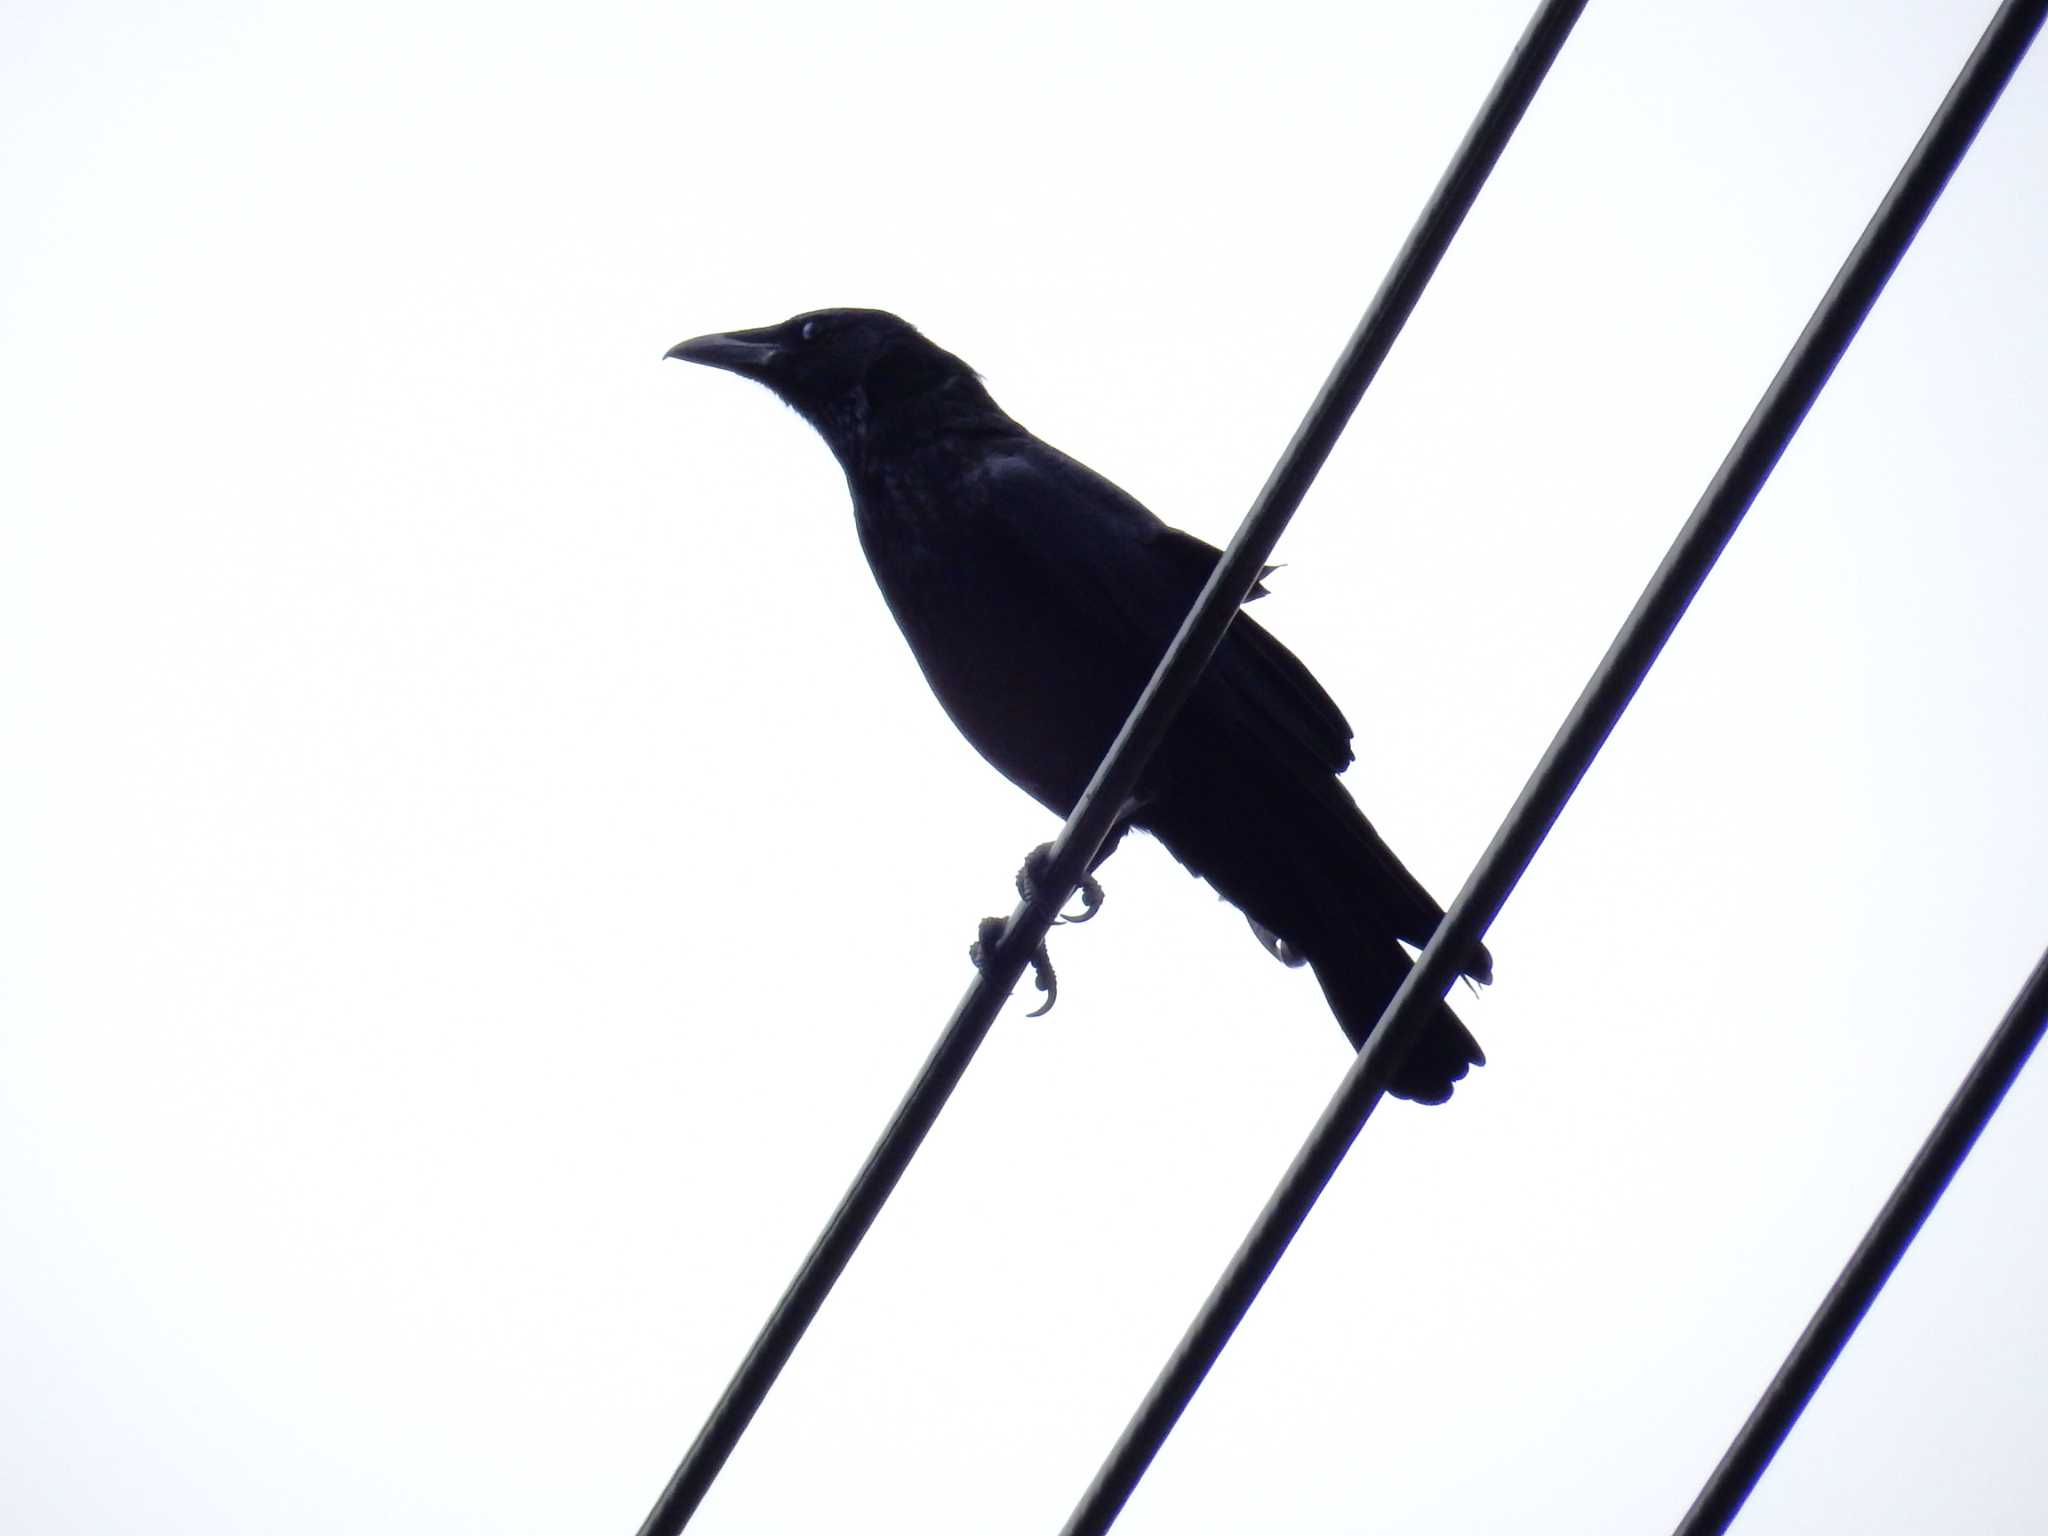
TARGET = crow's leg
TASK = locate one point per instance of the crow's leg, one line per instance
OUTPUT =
(990, 935)
(1029, 878)
(1033, 874)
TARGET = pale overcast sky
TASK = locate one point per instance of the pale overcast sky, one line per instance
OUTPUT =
(480, 864)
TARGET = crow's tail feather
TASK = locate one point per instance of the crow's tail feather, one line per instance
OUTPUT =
(1359, 981)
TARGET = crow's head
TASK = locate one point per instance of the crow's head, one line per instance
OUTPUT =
(846, 371)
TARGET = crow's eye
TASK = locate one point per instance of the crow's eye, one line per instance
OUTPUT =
(810, 330)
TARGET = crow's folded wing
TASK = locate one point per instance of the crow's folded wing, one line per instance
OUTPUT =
(1093, 550)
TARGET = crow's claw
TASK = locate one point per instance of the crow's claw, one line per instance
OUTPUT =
(1047, 980)
(1032, 875)
(1090, 892)
(989, 935)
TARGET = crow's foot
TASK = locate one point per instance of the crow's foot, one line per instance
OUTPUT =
(1032, 875)
(990, 935)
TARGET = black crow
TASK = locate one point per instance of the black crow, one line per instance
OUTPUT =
(1037, 597)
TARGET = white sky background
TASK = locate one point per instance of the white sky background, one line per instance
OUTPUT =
(481, 864)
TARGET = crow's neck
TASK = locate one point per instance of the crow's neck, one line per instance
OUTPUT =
(868, 432)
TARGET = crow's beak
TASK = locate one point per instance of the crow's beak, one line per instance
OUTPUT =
(747, 353)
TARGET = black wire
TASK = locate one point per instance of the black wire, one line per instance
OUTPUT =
(1101, 804)
(1613, 684)
(1875, 1257)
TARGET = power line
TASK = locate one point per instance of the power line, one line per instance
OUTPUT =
(1915, 1196)
(1607, 694)
(1101, 804)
